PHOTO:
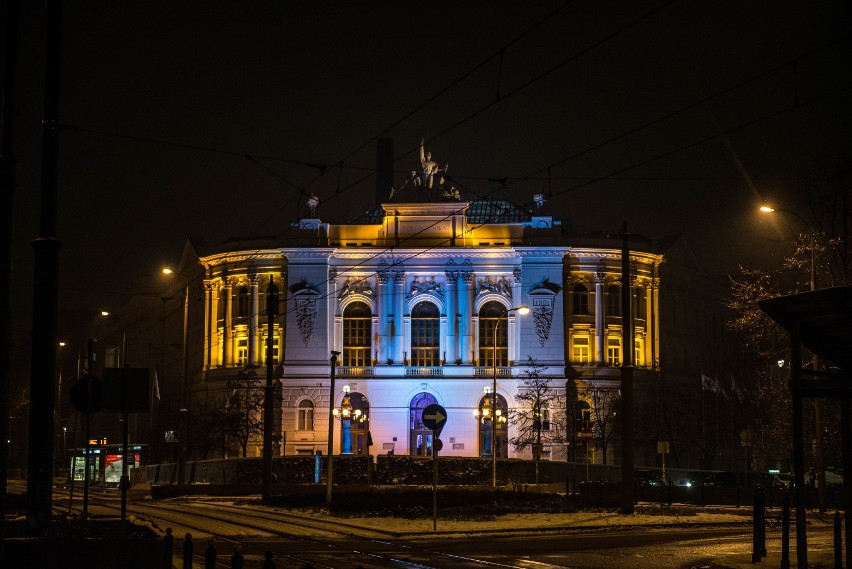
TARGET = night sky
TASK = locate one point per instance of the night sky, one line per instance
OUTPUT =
(679, 117)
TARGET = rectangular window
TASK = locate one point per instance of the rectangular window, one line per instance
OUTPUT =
(305, 421)
(356, 342)
(613, 351)
(581, 350)
(275, 348)
(242, 351)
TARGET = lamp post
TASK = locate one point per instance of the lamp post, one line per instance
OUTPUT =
(818, 455)
(330, 482)
(183, 412)
(522, 310)
(345, 415)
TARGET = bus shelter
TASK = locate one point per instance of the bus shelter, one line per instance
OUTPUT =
(821, 322)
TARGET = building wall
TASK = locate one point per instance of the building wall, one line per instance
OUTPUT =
(450, 266)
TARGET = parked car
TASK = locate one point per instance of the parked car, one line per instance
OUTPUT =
(647, 478)
(691, 479)
(726, 480)
(773, 481)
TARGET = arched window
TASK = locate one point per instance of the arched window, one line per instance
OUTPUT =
(242, 302)
(613, 301)
(357, 337)
(305, 418)
(425, 335)
(420, 438)
(485, 414)
(272, 297)
(491, 354)
(581, 299)
(640, 302)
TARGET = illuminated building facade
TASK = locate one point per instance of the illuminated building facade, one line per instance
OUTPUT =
(410, 296)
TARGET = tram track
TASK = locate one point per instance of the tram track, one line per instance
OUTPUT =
(258, 530)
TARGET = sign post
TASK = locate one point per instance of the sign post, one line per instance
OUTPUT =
(586, 436)
(663, 448)
(434, 419)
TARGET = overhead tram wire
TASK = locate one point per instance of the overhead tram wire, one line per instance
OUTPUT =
(632, 131)
(717, 94)
(527, 84)
(515, 180)
(646, 161)
(455, 125)
(795, 106)
(465, 75)
(681, 148)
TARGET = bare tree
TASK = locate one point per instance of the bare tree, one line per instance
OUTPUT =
(604, 402)
(244, 418)
(532, 418)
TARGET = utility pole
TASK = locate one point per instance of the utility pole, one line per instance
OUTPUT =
(45, 291)
(271, 302)
(627, 494)
(330, 482)
(7, 194)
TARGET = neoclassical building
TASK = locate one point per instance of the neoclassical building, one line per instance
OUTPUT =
(417, 299)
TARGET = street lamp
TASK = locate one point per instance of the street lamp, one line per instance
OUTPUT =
(330, 481)
(183, 413)
(522, 310)
(345, 414)
(820, 467)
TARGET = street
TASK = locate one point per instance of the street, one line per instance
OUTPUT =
(300, 539)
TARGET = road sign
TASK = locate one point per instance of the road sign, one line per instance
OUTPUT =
(585, 435)
(439, 445)
(434, 417)
(136, 387)
(87, 394)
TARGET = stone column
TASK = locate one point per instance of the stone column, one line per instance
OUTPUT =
(452, 317)
(398, 310)
(383, 301)
(466, 310)
(654, 319)
(208, 317)
(254, 316)
(600, 278)
(213, 340)
(518, 323)
(227, 284)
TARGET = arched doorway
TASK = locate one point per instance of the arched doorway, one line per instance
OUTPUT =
(359, 423)
(420, 438)
(485, 415)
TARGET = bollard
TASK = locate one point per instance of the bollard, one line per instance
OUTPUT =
(269, 563)
(168, 549)
(838, 551)
(237, 558)
(210, 555)
(187, 550)
(785, 531)
(758, 528)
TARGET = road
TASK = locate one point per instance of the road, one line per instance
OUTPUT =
(299, 541)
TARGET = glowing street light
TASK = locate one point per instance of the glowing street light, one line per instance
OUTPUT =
(522, 310)
(183, 412)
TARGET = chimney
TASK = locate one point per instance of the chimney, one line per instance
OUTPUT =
(384, 169)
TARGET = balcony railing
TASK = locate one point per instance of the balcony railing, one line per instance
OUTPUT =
(424, 372)
(353, 371)
(489, 372)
